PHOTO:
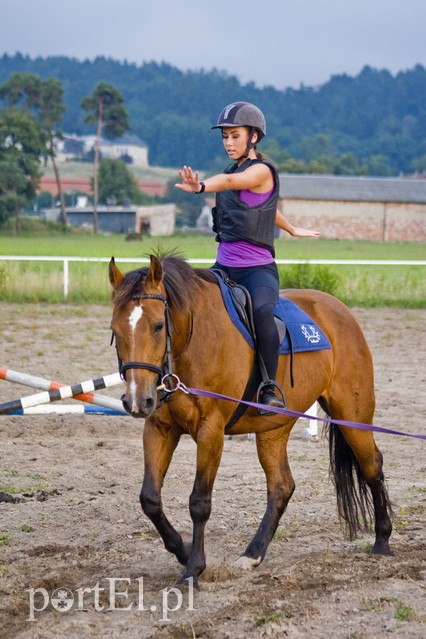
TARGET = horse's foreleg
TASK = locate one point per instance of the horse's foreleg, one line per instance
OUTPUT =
(209, 452)
(159, 446)
(272, 452)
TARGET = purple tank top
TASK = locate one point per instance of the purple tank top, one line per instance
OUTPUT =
(242, 253)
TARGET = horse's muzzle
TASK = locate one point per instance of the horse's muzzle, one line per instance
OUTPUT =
(142, 407)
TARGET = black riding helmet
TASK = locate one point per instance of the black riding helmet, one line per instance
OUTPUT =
(243, 114)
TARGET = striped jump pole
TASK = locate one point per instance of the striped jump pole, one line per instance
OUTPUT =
(68, 409)
(47, 385)
(64, 392)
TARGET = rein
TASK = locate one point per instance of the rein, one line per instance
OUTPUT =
(197, 392)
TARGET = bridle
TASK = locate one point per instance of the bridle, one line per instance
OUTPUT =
(165, 371)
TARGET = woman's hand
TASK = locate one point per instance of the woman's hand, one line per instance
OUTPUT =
(300, 232)
(190, 181)
(295, 231)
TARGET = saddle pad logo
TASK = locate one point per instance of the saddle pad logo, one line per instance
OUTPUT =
(311, 333)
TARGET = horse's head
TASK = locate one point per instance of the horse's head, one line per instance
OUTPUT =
(139, 323)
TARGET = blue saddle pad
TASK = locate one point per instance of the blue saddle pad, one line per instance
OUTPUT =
(305, 333)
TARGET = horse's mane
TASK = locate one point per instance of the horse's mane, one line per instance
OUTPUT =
(180, 280)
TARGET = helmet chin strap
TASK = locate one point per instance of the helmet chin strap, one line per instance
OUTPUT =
(250, 145)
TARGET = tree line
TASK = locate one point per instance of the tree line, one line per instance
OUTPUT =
(373, 123)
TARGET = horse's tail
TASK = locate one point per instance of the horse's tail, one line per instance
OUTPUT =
(354, 501)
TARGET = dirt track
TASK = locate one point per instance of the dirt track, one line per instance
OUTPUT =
(79, 524)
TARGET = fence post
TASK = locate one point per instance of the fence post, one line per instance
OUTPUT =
(312, 431)
(65, 278)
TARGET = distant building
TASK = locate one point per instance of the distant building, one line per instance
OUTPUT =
(155, 220)
(158, 220)
(129, 148)
(83, 185)
(72, 146)
(203, 223)
(356, 208)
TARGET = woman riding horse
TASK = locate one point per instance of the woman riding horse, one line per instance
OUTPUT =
(244, 220)
(169, 321)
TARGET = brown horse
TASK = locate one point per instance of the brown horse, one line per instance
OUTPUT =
(170, 318)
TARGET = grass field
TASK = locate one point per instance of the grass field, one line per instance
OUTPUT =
(356, 285)
(71, 169)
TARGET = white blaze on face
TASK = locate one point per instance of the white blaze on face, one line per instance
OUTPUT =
(134, 318)
(134, 405)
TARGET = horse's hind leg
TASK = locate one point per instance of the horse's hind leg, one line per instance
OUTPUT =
(159, 445)
(354, 454)
(366, 464)
(382, 510)
(272, 452)
(356, 462)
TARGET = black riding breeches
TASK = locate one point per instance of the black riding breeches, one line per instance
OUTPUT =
(262, 282)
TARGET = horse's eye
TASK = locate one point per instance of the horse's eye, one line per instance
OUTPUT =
(158, 327)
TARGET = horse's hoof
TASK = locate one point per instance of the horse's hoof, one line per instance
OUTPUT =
(188, 582)
(247, 563)
(382, 548)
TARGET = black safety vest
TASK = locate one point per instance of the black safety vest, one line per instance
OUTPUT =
(234, 220)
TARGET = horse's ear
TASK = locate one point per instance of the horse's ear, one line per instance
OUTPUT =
(155, 273)
(115, 275)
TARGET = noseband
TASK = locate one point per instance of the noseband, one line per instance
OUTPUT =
(165, 371)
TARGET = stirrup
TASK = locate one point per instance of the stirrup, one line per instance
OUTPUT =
(272, 385)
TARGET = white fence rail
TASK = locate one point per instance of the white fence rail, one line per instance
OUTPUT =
(144, 260)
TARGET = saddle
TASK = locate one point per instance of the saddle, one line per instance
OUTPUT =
(243, 305)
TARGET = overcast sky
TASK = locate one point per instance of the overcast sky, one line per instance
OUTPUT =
(283, 43)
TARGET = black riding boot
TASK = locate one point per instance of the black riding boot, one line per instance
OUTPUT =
(268, 343)
(270, 398)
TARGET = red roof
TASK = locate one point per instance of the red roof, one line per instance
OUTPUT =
(83, 186)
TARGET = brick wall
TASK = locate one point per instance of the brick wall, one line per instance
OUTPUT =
(382, 221)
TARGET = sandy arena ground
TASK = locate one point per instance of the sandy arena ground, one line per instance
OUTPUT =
(76, 524)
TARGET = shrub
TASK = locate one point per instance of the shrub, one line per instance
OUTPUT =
(309, 276)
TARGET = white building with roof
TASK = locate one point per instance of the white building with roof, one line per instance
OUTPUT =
(128, 147)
